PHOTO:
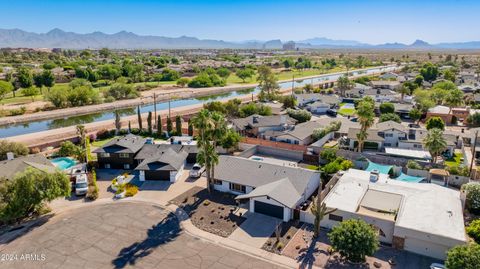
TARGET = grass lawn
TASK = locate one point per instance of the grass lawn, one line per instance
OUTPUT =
(233, 79)
(346, 111)
(312, 167)
(454, 161)
(100, 143)
(307, 73)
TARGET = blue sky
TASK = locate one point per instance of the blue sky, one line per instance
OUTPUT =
(367, 21)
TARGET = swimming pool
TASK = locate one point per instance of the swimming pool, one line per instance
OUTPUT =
(63, 163)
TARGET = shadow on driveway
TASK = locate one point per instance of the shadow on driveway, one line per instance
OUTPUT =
(161, 233)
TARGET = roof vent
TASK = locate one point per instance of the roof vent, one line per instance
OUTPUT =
(374, 174)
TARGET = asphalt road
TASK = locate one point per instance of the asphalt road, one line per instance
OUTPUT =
(119, 235)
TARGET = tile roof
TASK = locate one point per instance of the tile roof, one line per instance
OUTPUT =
(127, 144)
(281, 191)
(8, 168)
(167, 160)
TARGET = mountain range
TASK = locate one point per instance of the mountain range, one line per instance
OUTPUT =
(56, 38)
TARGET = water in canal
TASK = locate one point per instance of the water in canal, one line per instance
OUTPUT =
(43, 125)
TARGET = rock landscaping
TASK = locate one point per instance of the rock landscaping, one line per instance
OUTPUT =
(281, 236)
(215, 212)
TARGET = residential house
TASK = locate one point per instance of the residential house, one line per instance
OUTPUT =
(12, 166)
(271, 189)
(469, 88)
(306, 98)
(403, 110)
(119, 153)
(385, 84)
(300, 134)
(392, 132)
(467, 77)
(165, 164)
(388, 76)
(256, 125)
(449, 115)
(324, 103)
(426, 219)
(372, 142)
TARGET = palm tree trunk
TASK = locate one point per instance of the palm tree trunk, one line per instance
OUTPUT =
(207, 169)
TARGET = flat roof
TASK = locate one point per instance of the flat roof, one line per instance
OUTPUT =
(424, 207)
(410, 153)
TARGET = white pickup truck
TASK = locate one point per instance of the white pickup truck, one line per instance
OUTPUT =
(197, 171)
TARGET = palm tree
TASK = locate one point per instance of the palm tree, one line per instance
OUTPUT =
(365, 117)
(344, 84)
(435, 143)
(404, 90)
(211, 127)
(118, 123)
(81, 132)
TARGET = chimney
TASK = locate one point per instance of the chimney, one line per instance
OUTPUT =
(10, 156)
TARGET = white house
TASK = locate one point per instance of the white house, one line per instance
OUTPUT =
(418, 217)
(270, 189)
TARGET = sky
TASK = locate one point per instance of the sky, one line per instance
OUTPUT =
(372, 21)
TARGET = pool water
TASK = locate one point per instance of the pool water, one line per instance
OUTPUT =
(63, 163)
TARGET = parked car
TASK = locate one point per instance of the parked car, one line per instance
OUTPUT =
(332, 112)
(196, 171)
(81, 185)
(437, 266)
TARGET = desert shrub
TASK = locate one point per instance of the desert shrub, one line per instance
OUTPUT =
(473, 230)
(131, 190)
(472, 191)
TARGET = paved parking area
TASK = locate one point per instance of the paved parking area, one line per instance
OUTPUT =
(255, 230)
(119, 235)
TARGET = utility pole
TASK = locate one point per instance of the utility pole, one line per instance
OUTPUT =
(473, 152)
(155, 106)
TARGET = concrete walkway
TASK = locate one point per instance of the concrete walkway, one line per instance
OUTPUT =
(255, 230)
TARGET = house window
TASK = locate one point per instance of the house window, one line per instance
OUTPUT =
(335, 217)
(126, 166)
(237, 188)
(107, 166)
(387, 144)
(217, 182)
(388, 135)
(105, 155)
(123, 155)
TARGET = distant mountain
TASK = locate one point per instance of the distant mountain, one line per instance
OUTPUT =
(58, 38)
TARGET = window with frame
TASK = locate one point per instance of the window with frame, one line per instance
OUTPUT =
(105, 155)
(237, 188)
(335, 217)
(217, 182)
(123, 155)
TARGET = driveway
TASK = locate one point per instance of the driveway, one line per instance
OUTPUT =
(255, 230)
(119, 235)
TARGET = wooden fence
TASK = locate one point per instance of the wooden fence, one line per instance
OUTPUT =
(273, 144)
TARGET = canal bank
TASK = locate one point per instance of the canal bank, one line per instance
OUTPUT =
(63, 120)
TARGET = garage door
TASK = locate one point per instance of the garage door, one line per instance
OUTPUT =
(157, 175)
(268, 209)
(425, 248)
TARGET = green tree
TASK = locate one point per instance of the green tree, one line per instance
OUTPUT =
(289, 101)
(300, 115)
(449, 75)
(473, 120)
(169, 125)
(25, 77)
(58, 97)
(149, 122)
(415, 114)
(5, 88)
(28, 192)
(390, 117)
(182, 82)
(418, 80)
(118, 122)
(435, 143)
(366, 119)
(223, 72)
(67, 149)
(387, 108)
(178, 125)
(245, 73)
(435, 122)
(319, 210)
(473, 230)
(121, 91)
(472, 201)
(288, 63)
(48, 79)
(170, 74)
(267, 83)
(344, 84)
(354, 239)
(463, 257)
(18, 149)
(230, 140)
(454, 98)
(429, 72)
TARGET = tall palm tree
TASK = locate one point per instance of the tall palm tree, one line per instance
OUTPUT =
(404, 90)
(81, 132)
(365, 115)
(435, 143)
(344, 84)
(211, 128)
(319, 210)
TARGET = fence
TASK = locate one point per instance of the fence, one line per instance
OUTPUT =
(273, 144)
(374, 157)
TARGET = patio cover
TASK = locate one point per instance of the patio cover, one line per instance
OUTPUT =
(382, 169)
(407, 178)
